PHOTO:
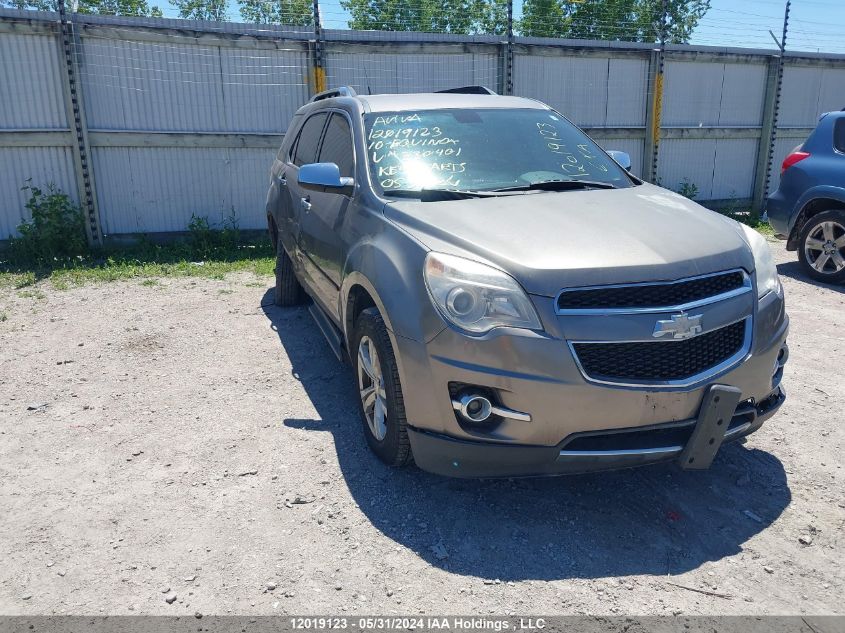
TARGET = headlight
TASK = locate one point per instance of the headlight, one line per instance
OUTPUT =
(476, 297)
(764, 266)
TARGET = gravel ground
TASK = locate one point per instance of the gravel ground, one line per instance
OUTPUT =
(180, 446)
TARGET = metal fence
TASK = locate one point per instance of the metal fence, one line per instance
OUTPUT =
(148, 121)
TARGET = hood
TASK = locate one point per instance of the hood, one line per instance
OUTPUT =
(553, 240)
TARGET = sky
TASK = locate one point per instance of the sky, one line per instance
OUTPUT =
(814, 25)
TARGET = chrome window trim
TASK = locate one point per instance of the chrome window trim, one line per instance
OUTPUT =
(692, 305)
(704, 376)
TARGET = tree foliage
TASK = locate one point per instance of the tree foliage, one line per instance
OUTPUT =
(544, 18)
(430, 16)
(211, 10)
(627, 20)
(135, 8)
(294, 12)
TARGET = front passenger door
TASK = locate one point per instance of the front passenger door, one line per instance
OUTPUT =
(304, 152)
(326, 212)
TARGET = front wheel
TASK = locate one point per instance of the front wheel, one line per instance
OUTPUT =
(381, 405)
(822, 247)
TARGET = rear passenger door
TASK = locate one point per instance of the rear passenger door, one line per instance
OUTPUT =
(324, 213)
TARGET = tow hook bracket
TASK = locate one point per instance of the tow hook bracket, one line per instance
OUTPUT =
(714, 417)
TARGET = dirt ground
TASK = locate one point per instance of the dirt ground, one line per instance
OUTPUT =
(186, 439)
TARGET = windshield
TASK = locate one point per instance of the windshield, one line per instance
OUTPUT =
(481, 149)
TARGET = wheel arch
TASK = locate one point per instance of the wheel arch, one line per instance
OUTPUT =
(811, 205)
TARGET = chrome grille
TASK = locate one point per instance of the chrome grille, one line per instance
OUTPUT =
(652, 295)
(660, 360)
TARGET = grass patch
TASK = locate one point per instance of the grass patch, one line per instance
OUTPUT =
(762, 227)
(32, 294)
(746, 217)
(145, 261)
(3, 316)
(51, 246)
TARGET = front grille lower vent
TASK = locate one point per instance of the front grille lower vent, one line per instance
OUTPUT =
(660, 360)
(651, 295)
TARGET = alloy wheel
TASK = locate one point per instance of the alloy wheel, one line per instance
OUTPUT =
(824, 248)
(371, 388)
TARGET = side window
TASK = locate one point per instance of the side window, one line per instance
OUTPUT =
(285, 153)
(309, 137)
(839, 135)
(337, 145)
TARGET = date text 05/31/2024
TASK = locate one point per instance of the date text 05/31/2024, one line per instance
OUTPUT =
(450, 623)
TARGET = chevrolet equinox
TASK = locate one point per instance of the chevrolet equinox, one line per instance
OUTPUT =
(513, 301)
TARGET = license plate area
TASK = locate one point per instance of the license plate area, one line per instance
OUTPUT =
(714, 417)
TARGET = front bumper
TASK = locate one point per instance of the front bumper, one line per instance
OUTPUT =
(535, 373)
(453, 457)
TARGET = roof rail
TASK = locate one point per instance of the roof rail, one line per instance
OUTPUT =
(469, 90)
(342, 91)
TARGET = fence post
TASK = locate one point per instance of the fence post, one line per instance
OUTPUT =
(75, 106)
(509, 53)
(319, 71)
(766, 143)
(505, 68)
(768, 133)
(654, 103)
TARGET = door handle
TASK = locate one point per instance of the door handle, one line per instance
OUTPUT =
(305, 204)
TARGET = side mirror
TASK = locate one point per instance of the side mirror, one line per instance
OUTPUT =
(621, 158)
(324, 177)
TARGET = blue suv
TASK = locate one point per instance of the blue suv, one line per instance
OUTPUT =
(808, 209)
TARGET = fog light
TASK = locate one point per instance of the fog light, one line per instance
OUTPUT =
(475, 408)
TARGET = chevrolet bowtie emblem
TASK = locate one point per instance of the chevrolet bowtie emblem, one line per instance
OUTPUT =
(680, 326)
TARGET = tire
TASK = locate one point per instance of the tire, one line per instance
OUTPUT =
(821, 247)
(288, 292)
(387, 436)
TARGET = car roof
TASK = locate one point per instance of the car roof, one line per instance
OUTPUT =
(439, 100)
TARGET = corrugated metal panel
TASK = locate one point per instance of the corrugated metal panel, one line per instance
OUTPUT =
(372, 72)
(692, 93)
(627, 82)
(832, 93)
(576, 86)
(422, 73)
(743, 94)
(799, 104)
(31, 94)
(263, 88)
(396, 73)
(634, 148)
(690, 159)
(713, 94)
(808, 93)
(733, 171)
(157, 189)
(152, 86)
(44, 165)
(721, 169)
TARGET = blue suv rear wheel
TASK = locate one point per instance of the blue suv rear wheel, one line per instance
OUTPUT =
(821, 248)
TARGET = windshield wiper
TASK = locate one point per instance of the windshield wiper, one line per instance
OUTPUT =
(560, 185)
(438, 195)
